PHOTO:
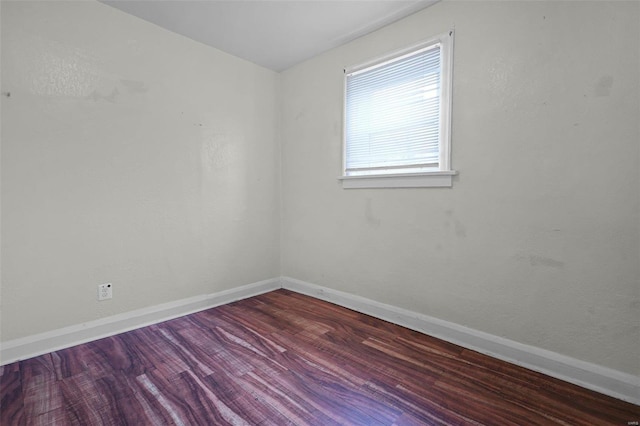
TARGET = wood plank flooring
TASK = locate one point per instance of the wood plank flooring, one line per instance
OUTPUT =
(287, 359)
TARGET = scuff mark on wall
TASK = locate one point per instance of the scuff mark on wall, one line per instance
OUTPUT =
(300, 115)
(548, 262)
(134, 87)
(369, 215)
(97, 96)
(603, 86)
(459, 228)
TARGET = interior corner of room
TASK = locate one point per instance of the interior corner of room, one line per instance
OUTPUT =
(187, 178)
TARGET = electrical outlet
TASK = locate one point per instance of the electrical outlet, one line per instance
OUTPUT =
(105, 291)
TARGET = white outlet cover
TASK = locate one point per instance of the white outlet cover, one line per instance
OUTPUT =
(105, 291)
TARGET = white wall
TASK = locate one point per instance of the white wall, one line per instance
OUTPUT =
(130, 155)
(135, 156)
(538, 240)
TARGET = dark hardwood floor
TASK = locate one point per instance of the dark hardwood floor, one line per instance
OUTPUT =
(283, 358)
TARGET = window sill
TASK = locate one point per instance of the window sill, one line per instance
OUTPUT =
(442, 179)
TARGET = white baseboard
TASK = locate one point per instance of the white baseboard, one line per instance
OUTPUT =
(591, 376)
(38, 344)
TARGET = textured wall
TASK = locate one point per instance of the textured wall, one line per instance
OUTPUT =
(538, 240)
(130, 155)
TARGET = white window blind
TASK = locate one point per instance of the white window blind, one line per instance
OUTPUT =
(393, 115)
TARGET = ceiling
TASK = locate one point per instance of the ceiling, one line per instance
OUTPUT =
(275, 34)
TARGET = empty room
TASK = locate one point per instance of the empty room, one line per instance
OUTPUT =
(319, 212)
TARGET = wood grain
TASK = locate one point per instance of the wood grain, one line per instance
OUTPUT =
(287, 359)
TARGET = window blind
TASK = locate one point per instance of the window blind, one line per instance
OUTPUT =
(392, 115)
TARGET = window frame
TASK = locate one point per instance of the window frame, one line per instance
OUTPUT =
(443, 175)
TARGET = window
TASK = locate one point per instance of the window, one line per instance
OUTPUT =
(397, 119)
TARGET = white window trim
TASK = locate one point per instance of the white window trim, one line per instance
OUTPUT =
(443, 177)
(438, 179)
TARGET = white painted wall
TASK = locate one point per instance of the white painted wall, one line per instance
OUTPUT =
(130, 155)
(538, 240)
(135, 156)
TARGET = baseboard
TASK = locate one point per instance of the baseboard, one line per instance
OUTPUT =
(591, 376)
(38, 344)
